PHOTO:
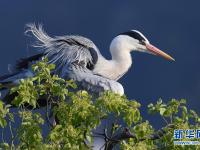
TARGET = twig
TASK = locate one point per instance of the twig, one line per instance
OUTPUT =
(12, 135)
(47, 112)
(171, 117)
(165, 120)
(2, 135)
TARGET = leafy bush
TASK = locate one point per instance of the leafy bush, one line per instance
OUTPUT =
(73, 115)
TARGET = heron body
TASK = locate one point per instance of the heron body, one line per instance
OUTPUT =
(78, 58)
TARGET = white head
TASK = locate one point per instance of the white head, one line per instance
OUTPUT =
(135, 41)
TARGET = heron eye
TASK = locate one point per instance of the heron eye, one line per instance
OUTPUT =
(142, 42)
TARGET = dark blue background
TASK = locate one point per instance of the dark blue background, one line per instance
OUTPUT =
(171, 25)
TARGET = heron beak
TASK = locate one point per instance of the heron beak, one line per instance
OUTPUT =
(158, 52)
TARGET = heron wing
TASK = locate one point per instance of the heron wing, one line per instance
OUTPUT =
(74, 57)
(85, 79)
(64, 51)
(10, 80)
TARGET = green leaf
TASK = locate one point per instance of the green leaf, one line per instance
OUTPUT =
(89, 138)
(162, 111)
(3, 122)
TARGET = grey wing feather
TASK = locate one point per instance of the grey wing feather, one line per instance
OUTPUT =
(94, 83)
(65, 50)
(13, 79)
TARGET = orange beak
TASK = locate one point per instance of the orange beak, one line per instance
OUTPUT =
(158, 52)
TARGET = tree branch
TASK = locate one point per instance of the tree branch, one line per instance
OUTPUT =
(112, 141)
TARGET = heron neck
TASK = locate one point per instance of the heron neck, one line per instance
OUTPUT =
(116, 67)
(121, 61)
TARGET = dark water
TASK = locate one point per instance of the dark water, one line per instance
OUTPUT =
(171, 25)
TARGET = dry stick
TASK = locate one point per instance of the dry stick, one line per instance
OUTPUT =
(2, 135)
(12, 136)
(47, 112)
(165, 120)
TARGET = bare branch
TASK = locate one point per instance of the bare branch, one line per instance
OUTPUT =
(112, 141)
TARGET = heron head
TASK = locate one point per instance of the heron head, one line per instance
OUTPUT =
(135, 41)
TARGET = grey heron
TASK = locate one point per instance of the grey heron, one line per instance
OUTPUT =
(78, 58)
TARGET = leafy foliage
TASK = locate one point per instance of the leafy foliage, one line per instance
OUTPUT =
(73, 115)
(29, 132)
(5, 112)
